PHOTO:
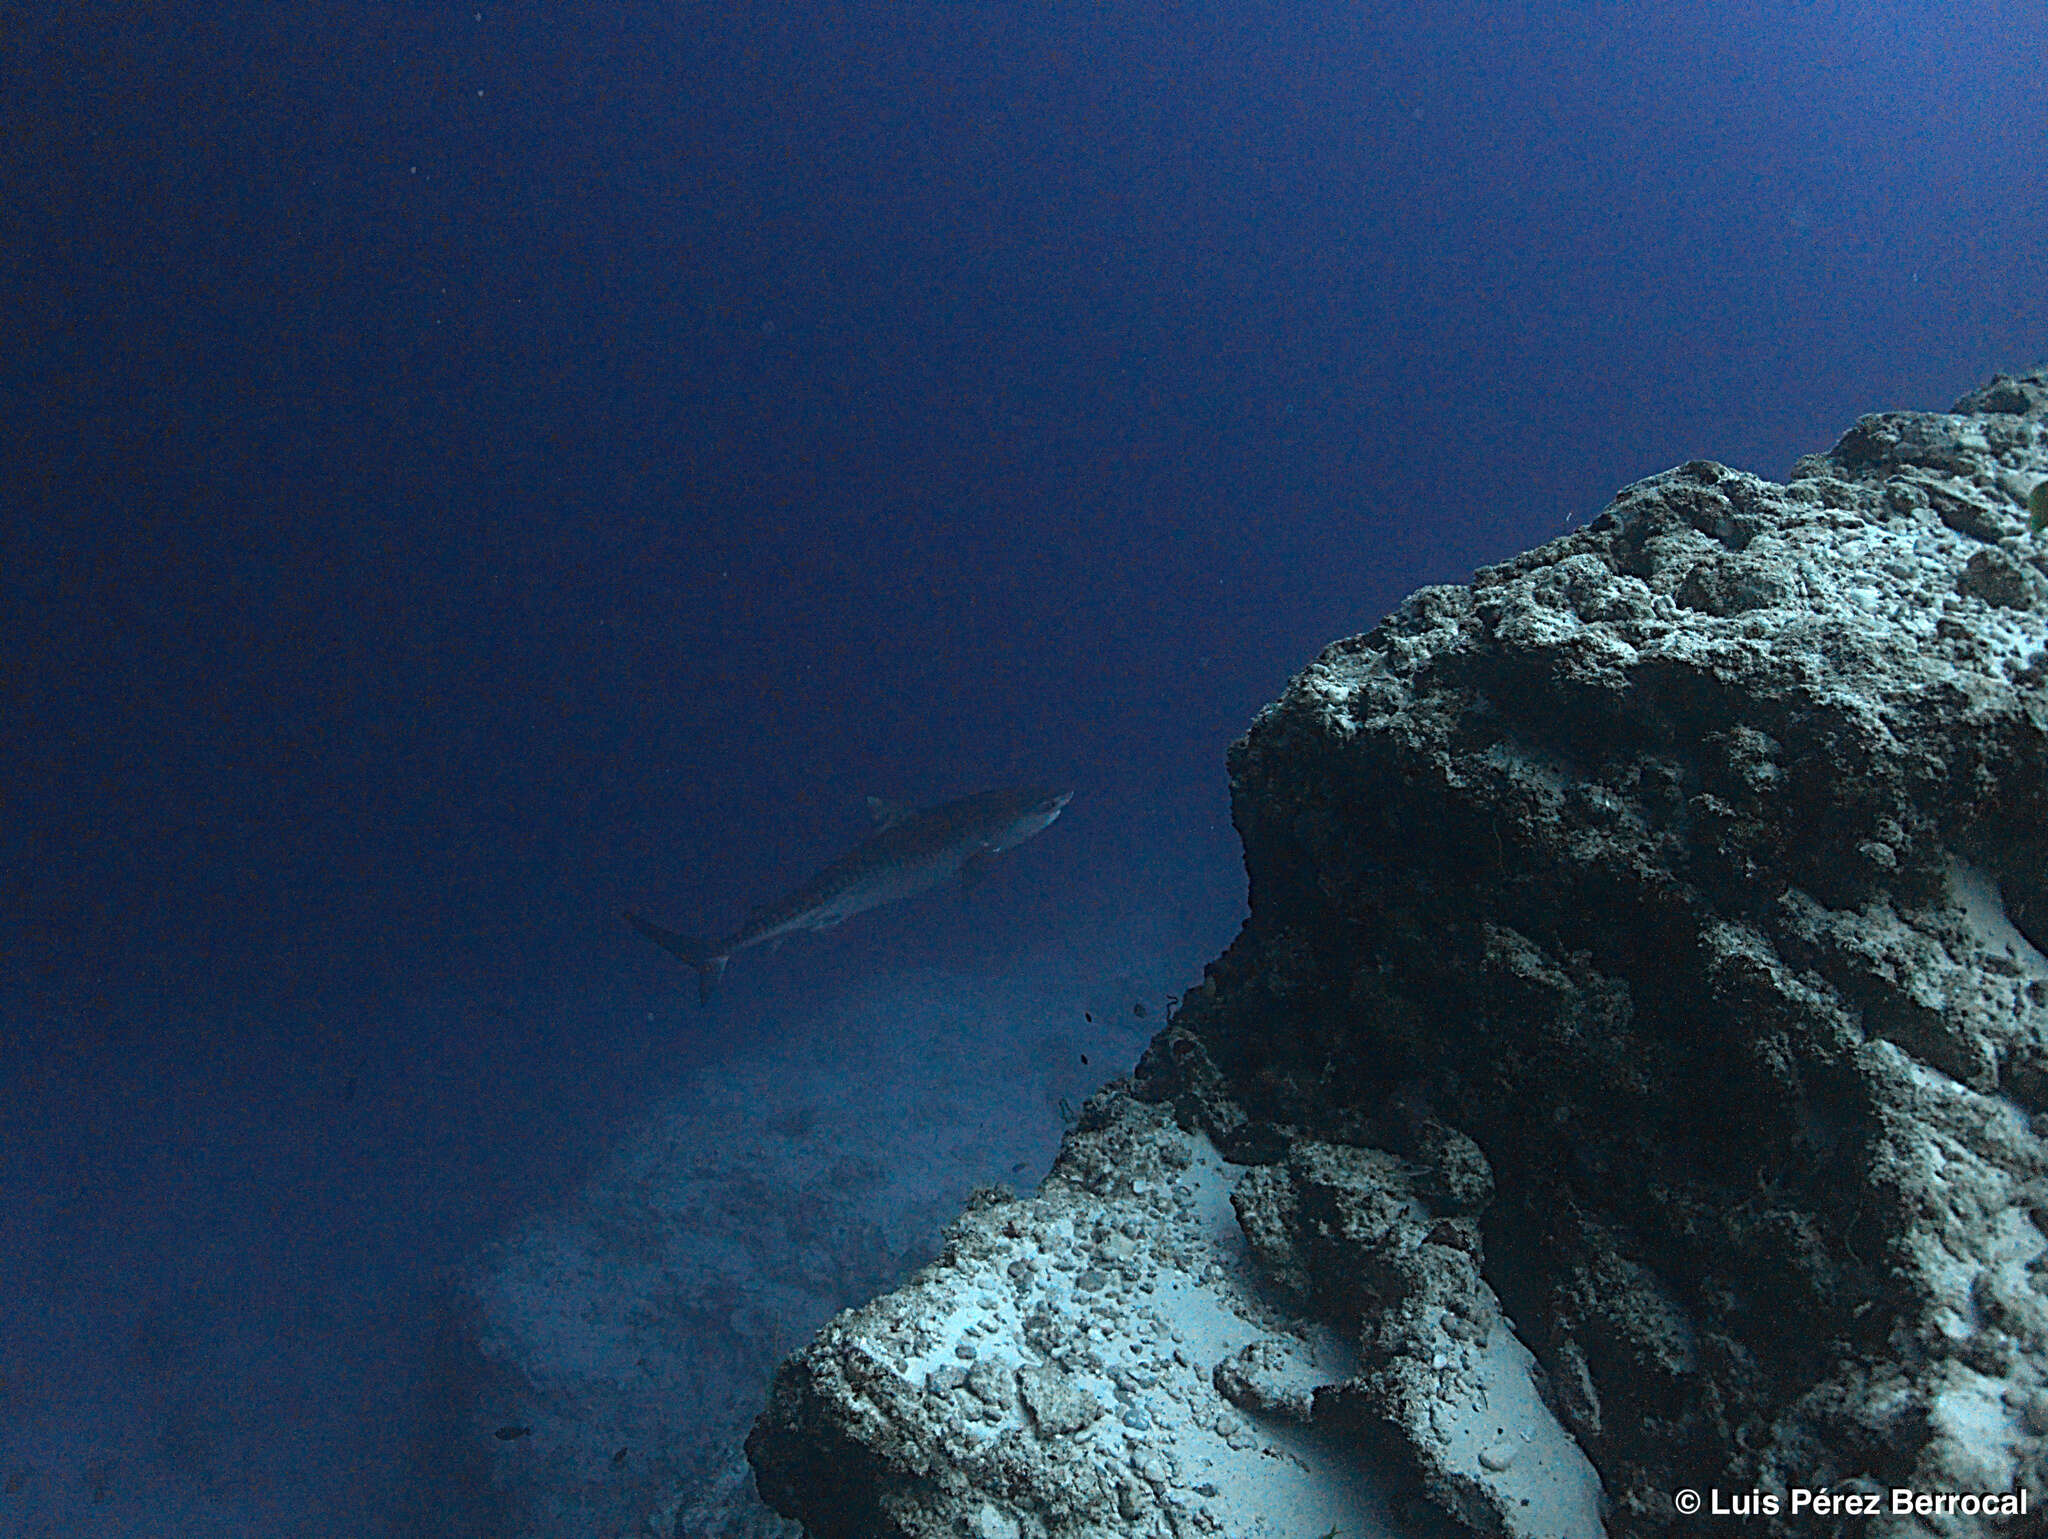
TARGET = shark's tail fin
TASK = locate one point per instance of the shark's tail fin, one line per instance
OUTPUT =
(706, 958)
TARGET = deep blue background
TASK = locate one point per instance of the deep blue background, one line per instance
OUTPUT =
(464, 469)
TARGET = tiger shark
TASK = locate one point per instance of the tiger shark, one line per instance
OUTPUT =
(909, 853)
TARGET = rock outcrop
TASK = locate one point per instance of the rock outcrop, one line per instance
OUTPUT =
(1644, 972)
(621, 1340)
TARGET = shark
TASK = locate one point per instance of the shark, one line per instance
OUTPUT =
(909, 853)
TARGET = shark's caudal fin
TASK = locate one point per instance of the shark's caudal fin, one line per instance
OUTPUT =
(707, 959)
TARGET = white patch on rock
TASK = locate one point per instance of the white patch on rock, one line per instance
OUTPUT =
(1155, 1377)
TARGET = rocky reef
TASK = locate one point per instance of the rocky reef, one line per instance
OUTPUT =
(1631, 1080)
(599, 1365)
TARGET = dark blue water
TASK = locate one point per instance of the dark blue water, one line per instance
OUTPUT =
(463, 470)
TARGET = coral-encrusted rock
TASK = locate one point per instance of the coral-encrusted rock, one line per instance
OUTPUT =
(1645, 963)
(1695, 867)
(1102, 1359)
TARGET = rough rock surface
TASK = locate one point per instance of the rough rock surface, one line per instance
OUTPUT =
(628, 1333)
(1645, 948)
(1107, 1357)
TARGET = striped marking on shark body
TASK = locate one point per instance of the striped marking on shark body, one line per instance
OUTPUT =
(911, 852)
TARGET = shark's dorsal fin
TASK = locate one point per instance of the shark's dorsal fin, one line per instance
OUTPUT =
(886, 814)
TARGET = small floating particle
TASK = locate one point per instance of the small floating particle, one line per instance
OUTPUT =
(1138, 1009)
(510, 1430)
(618, 1458)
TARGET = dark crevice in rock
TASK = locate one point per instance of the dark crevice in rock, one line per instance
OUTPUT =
(1660, 918)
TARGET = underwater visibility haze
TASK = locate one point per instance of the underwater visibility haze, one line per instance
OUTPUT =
(469, 471)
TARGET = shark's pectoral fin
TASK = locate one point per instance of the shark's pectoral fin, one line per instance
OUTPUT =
(973, 869)
(886, 814)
